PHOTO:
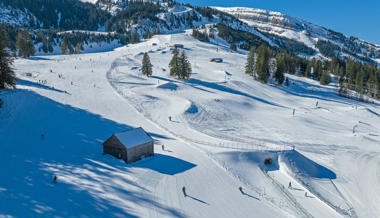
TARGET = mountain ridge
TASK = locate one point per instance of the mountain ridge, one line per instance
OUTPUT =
(153, 17)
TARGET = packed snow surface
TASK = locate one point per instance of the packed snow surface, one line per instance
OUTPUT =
(224, 132)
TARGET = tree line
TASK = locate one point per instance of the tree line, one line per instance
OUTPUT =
(355, 79)
(7, 75)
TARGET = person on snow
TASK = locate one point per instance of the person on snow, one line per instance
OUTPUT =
(163, 147)
(55, 179)
(305, 194)
(170, 118)
(290, 185)
(184, 191)
(241, 190)
(294, 111)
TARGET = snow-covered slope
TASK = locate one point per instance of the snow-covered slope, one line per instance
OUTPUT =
(223, 127)
(13, 16)
(279, 24)
(295, 35)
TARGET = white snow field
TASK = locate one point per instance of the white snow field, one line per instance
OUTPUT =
(223, 126)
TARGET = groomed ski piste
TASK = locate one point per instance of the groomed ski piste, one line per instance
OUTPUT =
(223, 126)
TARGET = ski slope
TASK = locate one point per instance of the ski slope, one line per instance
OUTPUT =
(222, 127)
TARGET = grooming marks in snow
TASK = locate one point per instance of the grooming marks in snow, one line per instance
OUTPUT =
(227, 141)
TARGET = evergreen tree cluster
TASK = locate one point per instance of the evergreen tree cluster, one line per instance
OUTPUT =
(24, 44)
(7, 75)
(131, 14)
(200, 35)
(180, 66)
(355, 79)
(61, 14)
(245, 40)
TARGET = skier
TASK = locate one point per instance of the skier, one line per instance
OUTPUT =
(163, 147)
(305, 194)
(241, 190)
(294, 111)
(55, 179)
(290, 185)
(170, 118)
(184, 191)
(316, 104)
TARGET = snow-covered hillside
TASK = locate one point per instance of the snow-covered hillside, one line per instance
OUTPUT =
(224, 125)
(279, 24)
(297, 36)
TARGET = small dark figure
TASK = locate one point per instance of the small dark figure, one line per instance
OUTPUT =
(55, 179)
(184, 191)
(294, 111)
(305, 194)
(316, 104)
(241, 190)
(290, 185)
(163, 147)
(268, 161)
(170, 118)
(71, 82)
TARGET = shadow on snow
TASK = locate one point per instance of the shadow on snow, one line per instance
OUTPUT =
(89, 183)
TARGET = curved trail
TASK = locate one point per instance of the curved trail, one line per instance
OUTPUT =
(227, 142)
(238, 144)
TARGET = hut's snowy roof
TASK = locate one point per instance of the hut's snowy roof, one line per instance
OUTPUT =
(133, 137)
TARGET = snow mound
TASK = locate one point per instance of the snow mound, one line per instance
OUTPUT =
(302, 165)
(193, 109)
(169, 85)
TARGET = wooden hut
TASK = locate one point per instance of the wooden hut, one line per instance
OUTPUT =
(131, 145)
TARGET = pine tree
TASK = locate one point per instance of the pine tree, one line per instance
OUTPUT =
(279, 74)
(233, 46)
(262, 66)
(7, 75)
(343, 91)
(24, 44)
(250, 65)
(359, 83)
(134, 37)
(146, 65)
(372, 83)
(64, 47)
(174, 64)
(325, 78)
(78, 48)
(185, 67)
(180, 66)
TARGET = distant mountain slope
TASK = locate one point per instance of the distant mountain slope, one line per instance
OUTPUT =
(147, 18)
(324, 40)
(55, 14)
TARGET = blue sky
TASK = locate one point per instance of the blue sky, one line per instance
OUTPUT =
(360, 18)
